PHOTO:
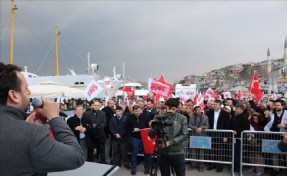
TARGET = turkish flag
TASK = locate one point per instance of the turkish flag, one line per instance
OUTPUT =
(148, 143)
(130, 93)
(255, 89)
(239, 94)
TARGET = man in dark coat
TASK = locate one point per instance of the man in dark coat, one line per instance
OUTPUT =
(96, 119)
(150, 111)
(218, 120)
(135, 123)
(79, 125)
(110, 112)
(120, 138)
(238, 123)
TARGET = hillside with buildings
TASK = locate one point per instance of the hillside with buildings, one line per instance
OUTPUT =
(271, 72)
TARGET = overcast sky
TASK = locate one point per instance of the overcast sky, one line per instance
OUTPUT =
(174, 38)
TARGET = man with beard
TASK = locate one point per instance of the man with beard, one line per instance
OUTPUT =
(150, 111)
(171, 151)
(277, 123)
(26, 148)
(238, 123)
(278, 119)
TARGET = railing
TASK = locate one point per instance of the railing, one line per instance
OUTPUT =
(259, 149)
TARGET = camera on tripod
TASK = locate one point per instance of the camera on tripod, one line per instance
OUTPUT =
(158, 126)
(159, 129)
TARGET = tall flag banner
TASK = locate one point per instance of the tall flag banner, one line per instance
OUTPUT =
(226, 94)
(255, 89)
(130, 93)
(209, 94)
(239, 95)
(93, 90)
(199, 100)
(160, 88)
(148, 143)
(162, 80)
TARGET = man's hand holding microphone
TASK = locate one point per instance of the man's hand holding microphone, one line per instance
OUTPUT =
(47, 108)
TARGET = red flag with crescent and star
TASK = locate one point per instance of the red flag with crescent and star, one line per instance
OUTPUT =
(148, 143)
(255, 89)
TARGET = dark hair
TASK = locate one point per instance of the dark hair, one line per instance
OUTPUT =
(189, 106)
(218, 102)
(162, 107)
(79, 106)
(240, 106)
(280, 101)
(172, 102)
(135, 107)
(119, 108)
(8, 81)
(189, 100)
(149, 100)
(232, 100)
(196, 107)
(259, 126)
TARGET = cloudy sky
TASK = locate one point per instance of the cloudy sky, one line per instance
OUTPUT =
(174, 38)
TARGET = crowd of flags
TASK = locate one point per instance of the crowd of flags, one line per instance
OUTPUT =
(160, 90)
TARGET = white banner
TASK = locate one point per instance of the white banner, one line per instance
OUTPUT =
(185, 92)
(158, 88)
(93, 90)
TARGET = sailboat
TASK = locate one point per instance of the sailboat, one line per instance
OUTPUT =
(80, 81)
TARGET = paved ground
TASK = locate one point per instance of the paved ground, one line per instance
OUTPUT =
(140, 172)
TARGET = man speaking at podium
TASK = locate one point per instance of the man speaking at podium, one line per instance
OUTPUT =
(26, 149)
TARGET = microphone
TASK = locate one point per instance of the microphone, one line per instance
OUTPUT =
(37, 103)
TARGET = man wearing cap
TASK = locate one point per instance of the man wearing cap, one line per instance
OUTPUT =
(218, 120)
(238, 123)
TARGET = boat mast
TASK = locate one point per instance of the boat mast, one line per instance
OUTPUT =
(89, 63)
(12, 13)
(57, 51)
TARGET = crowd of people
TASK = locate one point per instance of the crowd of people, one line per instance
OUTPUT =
(111, 126)
(120, 124)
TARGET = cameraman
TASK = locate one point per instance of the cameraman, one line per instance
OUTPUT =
(171, 151)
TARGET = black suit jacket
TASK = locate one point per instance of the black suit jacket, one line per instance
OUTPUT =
(150, 115)
(222, 122)
(73, 122)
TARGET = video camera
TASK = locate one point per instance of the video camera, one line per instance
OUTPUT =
(158, 126)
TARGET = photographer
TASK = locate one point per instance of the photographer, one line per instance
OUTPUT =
(171, 149)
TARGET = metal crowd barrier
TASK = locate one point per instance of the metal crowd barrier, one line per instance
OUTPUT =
(211, 146)
(259, 149)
